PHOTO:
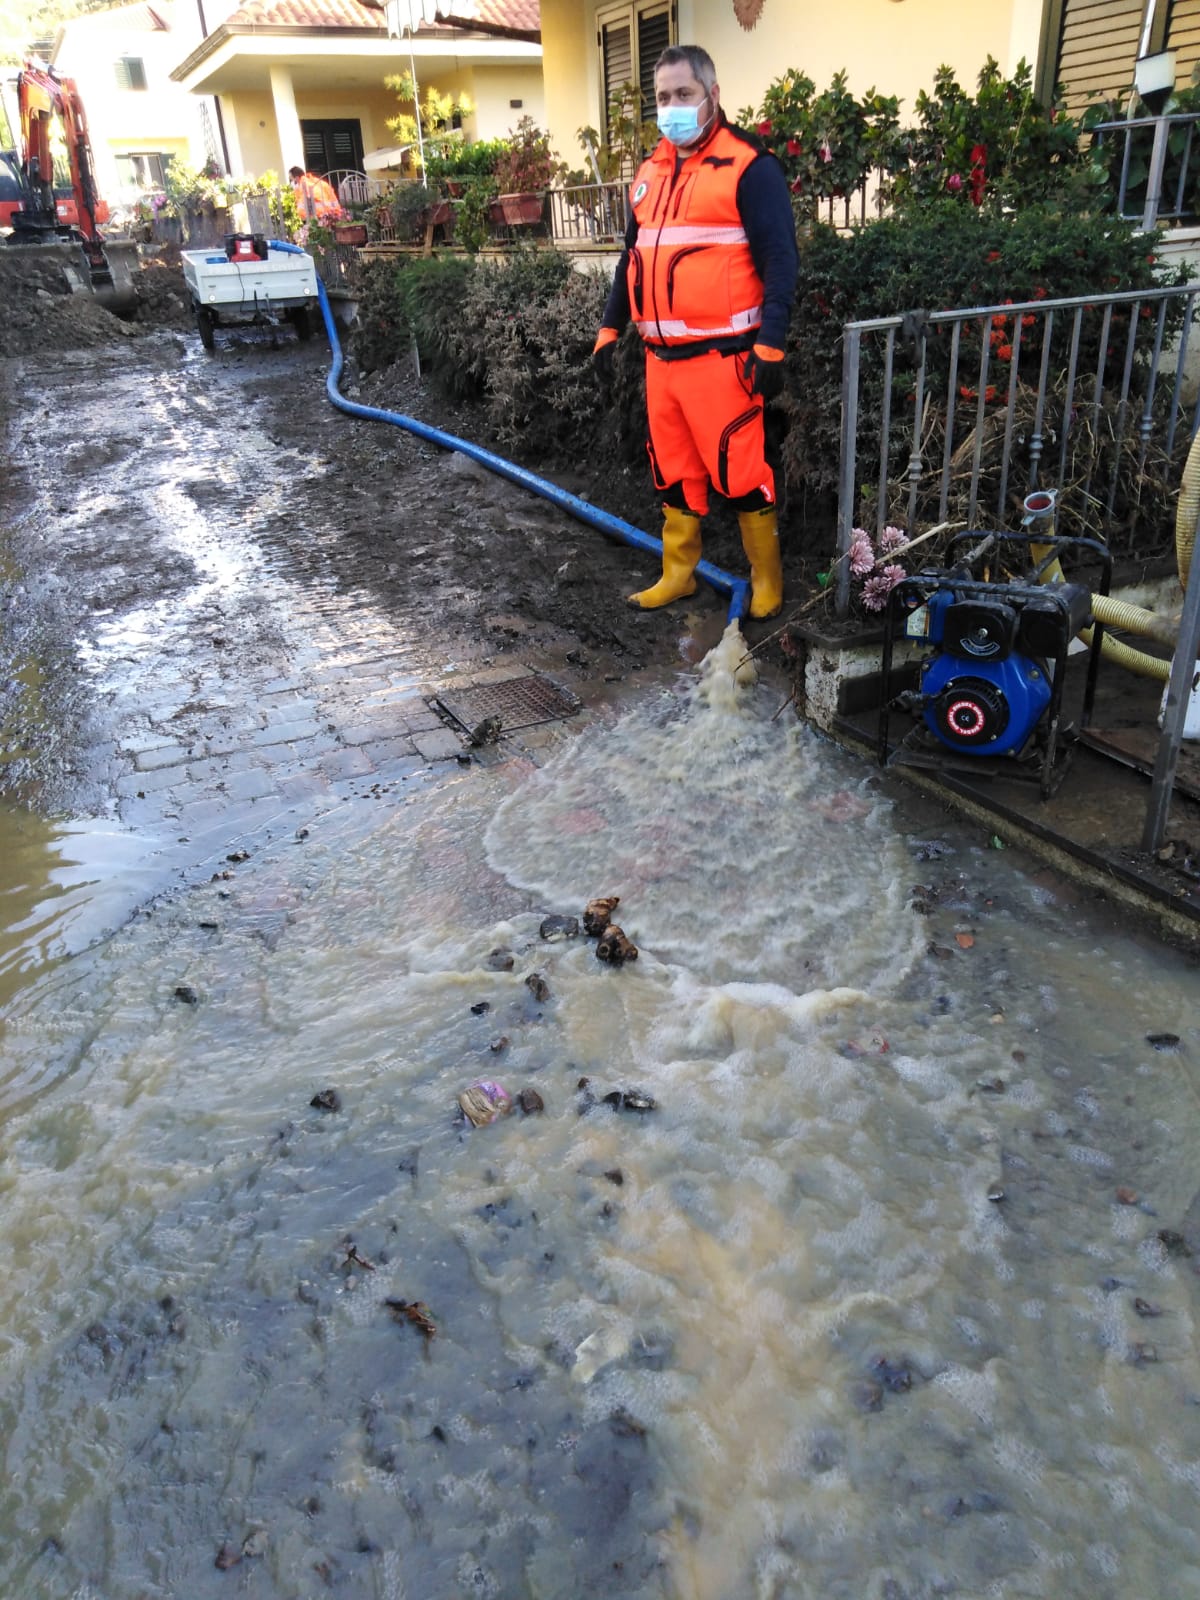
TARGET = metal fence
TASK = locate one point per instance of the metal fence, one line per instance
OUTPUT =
(954, 416)
(1158, 176)
(590, 213)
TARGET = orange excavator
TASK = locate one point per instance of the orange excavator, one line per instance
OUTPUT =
(91, 264)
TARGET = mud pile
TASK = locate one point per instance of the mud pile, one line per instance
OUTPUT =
(41, 313)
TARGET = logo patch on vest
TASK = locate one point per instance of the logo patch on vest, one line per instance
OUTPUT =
(718, 161)
(640, 192)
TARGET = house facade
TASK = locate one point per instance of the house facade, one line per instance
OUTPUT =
(139, 118)
(301, 82)
(894, 46)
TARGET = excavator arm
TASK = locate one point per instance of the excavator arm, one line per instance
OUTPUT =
(45, 100)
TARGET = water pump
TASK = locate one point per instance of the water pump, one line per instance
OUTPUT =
(991, 683)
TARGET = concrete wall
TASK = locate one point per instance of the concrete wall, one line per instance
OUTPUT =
(882, 44)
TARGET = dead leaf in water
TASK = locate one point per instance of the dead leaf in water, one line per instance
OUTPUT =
(964, 941)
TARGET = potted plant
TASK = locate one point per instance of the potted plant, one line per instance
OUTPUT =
(525, 169)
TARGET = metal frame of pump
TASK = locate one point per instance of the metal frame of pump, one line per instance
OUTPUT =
(991, 690)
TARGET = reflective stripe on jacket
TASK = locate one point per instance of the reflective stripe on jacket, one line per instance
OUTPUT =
(691, 275)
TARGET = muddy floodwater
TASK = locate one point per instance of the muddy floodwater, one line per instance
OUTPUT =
(842, 1246)
(888, 1295)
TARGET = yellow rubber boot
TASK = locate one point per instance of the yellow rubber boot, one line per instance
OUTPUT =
(760, 541)
(681, 552)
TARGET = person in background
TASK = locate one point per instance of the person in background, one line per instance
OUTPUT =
(315, 197)
(708, 274)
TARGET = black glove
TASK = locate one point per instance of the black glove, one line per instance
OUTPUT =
(604, 365)
(763, 370)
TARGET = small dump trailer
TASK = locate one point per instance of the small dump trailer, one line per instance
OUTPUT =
(245, 281)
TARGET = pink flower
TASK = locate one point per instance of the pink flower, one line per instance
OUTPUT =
(826, 152)
(862, 556)
(892, 538)
(879, 585)
(954, 182)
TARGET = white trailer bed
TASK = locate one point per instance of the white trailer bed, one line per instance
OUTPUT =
(224, 292)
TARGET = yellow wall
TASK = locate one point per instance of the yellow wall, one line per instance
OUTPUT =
(254, 141)
(893, 46)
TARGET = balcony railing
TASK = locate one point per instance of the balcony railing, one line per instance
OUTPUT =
(1157, 170)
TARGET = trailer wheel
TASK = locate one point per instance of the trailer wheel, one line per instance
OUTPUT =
(301, 318)
(205, 326)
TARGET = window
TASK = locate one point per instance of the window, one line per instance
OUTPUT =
(332, 146)
(631, 38)
(143, 169)
(131, 72)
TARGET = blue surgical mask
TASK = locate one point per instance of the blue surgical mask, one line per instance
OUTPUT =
(681, 124)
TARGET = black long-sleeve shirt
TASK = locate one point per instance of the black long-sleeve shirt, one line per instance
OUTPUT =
(765, 208)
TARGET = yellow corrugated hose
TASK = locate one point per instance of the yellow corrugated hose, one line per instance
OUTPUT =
(1134, 619)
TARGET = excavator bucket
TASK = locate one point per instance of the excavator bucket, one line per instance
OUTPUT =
(112, 283)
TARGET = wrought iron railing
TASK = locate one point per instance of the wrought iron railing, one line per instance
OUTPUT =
(1155, 166)
(590, 213)
(954, 416)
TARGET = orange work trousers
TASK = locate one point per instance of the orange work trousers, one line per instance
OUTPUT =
(706, 428)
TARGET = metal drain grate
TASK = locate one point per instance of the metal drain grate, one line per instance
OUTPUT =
(518, 702)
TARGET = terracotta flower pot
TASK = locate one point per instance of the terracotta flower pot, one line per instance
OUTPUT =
(350, 232)
(520, 210)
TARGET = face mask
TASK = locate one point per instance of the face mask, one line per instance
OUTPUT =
(681, 124)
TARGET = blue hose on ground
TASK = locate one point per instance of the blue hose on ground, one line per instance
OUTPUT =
(737, 589)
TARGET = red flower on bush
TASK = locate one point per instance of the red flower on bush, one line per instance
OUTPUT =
(1004, 351)
(766, 127)
(993, 255)
(798, 186)
(794, 147)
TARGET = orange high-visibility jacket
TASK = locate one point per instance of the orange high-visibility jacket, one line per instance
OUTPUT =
(691, 275)
(315, 197)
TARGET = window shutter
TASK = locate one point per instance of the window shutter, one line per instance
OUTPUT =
(1097, 48)
(654, 35)
(616, 55)
(130, 72)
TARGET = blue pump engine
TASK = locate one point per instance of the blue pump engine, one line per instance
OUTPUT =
(991, 677)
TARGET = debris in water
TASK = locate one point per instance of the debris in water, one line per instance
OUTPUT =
(614, 947)
(501, 960)
(1143, 1355)
(630, 1100)
(353, 1259)
(625, 1425)
(1173, 1243)
(876, 1045)
(940, 952)
(964, 941)
(326, 1100)
(996, 1194)
(481, 1008)
(185, 992)
(597, 914)
(931, 849)
(1163, 1041)
(1127, 1196)
(227, 1556)
(897, 1379)
(587, 1098)
(597, 1350)
(483, 1102)
(537, 986)
(238, 855)
(485, 732)
(414, 1311)
(615, 1175)
(499, 1044)
(990, 1085)
(1146, 1308)
(530, 1102)
(559, 928)
(255, 1544)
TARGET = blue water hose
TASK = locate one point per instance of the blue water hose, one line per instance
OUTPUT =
(738, 589)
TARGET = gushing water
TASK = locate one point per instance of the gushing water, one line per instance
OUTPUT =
(853, 1312)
